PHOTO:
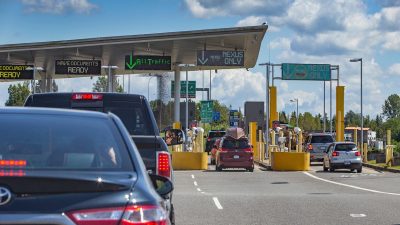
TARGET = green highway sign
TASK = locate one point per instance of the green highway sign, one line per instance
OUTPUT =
(206, 113)
(191, 89)
(147, 62)
(295, 71)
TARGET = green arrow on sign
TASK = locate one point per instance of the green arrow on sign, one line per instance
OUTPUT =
(131, 64)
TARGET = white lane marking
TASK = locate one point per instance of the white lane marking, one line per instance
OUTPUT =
(351, 186)
(195, 183)
(219, 206)
(198, 189)
(192, 176)
(203, 192)
(358, 215)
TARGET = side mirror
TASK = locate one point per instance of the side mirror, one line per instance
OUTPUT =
(162, 185)
(174, 137)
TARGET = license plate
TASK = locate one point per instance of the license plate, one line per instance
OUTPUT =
(236, 157)
(346, 162)
(322, 148)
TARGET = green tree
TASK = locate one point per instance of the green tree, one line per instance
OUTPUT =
(101, 85)
(282, 117)
(391, 107)
(17, 94)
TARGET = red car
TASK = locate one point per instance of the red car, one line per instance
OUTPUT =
(234, 151)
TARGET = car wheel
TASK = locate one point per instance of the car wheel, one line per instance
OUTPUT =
(353, 170)
(250, 169)
(359, 170)
(331, 169)
(172, 215)
(218, 168)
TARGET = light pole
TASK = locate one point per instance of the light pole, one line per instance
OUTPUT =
(297, 110)
(186, 66)
(361, 99)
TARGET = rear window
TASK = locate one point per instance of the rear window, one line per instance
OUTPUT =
(134, 117)
(322, 139)
(215, 134)
(61, 142)
(345, 147)
(235, 144)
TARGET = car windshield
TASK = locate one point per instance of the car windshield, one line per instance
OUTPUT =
(345, 147)
(61, 142)
(235, 144)
(322, 139)
(216, 134)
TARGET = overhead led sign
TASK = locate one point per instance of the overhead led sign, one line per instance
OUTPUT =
(16, 72)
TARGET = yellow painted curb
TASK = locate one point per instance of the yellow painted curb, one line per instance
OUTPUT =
(290, 161)
(189, 160)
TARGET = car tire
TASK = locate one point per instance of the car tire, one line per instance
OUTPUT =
(331, 169)
(250, 169)
(359, 170)
(172, 215)
(212, 161)
(218, 168)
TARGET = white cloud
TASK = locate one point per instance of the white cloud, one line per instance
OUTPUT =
(395, 69)
(251, 21)
(58, 6)
(392, 41)
(211, 8)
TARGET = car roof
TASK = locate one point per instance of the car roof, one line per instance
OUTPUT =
(343, 142)
(51, 111)
(113, 94)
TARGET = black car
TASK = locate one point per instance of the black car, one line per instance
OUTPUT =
(211, 137)
(135, 113)
(69, 167)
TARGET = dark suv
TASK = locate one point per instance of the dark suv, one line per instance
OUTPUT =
(211, 137)
(136, 115)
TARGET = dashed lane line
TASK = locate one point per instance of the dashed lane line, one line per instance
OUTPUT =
(217, 203)
(192, 176)
(351, 186)
(195, 183)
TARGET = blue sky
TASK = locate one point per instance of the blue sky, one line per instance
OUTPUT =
(302, 31)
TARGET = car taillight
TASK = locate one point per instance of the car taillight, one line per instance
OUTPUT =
(335, 154)
(310, 147)
(208, 139)
(86, 96)
(358, 154)
(248, 150)
(131, 215)
(164, 164)
(223, 150)
(12, 163)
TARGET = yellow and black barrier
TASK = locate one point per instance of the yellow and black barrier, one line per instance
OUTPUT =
(189, 160)
(290, 161)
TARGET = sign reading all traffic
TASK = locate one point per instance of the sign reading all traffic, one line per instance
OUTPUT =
(16, 72)
(220, 58)
(191, 89)
(78, 67)
(147, 62)
(294, 71)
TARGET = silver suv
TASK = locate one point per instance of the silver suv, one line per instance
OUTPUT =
(342, 155)
(316, 144)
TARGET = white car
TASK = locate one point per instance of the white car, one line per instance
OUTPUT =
(342, 155)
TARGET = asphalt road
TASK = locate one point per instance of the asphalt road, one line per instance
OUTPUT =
(265, 197)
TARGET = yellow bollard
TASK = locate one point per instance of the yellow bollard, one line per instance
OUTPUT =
(339, 113)
(388, 137)
(253, 133)
(273, 137)
(176, 125)
(273, 112)
(389, 154)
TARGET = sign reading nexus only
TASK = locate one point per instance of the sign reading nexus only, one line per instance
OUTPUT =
(220, 58)
(78, 67)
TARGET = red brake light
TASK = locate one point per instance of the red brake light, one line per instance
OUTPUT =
(248, 150)
(358, 154)
(224, 150)
(208, 139)
(87, 96)
(310, 147)
(335, 153)
(131, 215)
(12, 163)
(164, 164)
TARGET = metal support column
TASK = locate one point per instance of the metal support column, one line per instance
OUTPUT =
(324, 116)
(177, 96)
(110, 80)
